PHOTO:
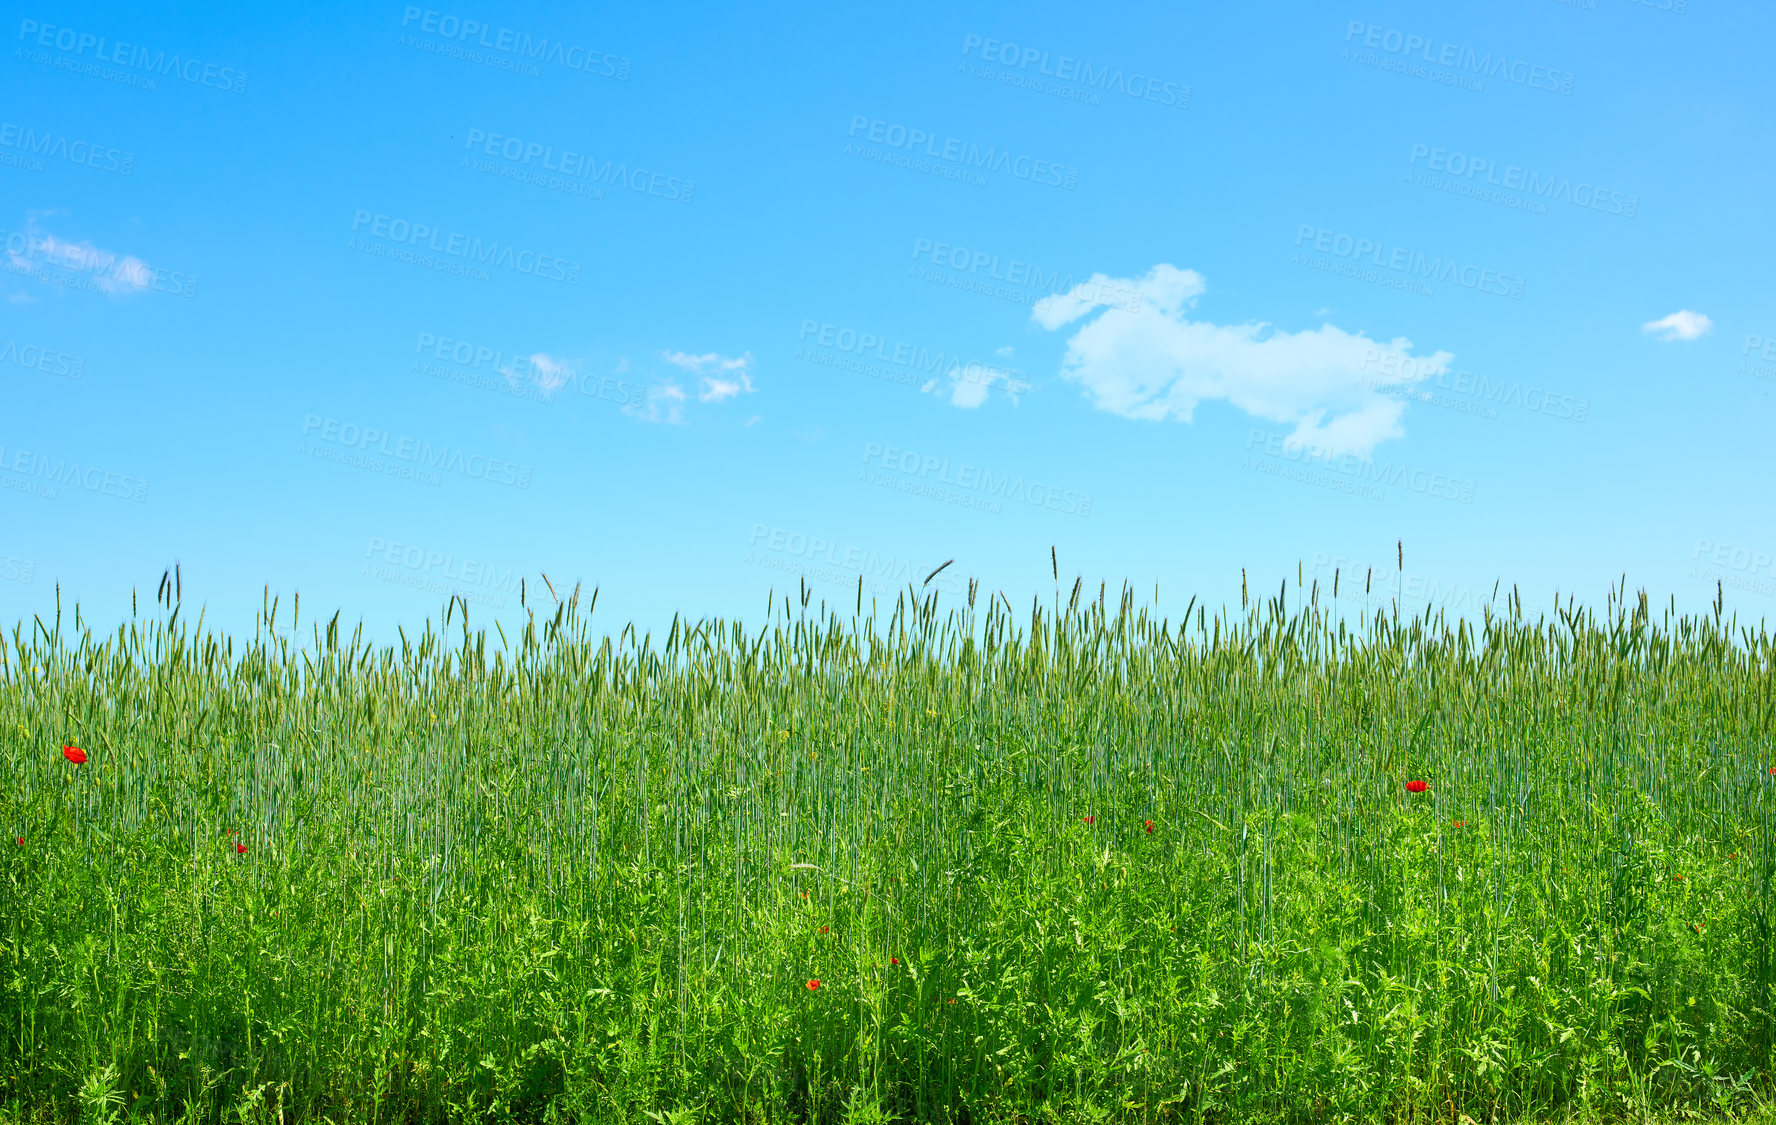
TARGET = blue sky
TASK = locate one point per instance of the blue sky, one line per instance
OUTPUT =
(373, 303)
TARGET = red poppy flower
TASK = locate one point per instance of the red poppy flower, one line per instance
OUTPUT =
(1417, 786)
(1679, 878)
(891, 960)
(240, 849)
(1773, 771)
(1457, 823)
(1090, 819)
(813, 985)
(1150, 828)
(823, 929)
(74, 754)
(19, 840)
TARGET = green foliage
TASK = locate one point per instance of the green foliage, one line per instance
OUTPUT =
(578, 879)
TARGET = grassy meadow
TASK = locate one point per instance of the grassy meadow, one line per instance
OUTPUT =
(969, 863)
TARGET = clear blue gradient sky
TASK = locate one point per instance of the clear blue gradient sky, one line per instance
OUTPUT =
(378, 302)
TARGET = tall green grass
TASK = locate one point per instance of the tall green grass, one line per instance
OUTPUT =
(557, 876)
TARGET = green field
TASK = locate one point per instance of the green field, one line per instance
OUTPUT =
(1065, 863)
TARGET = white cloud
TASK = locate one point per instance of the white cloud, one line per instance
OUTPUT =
(715, 389)
(664, 403)
(108, 271)
(696, 364)
(722, 377)
(1680, 325)
(550, 374)
(1147, 359)
(968, 385)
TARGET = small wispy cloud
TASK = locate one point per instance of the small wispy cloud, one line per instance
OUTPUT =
(663, 402)
(108, 271)
(1680, 325)
(721, 377)
(550, 373)
(967, 384)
